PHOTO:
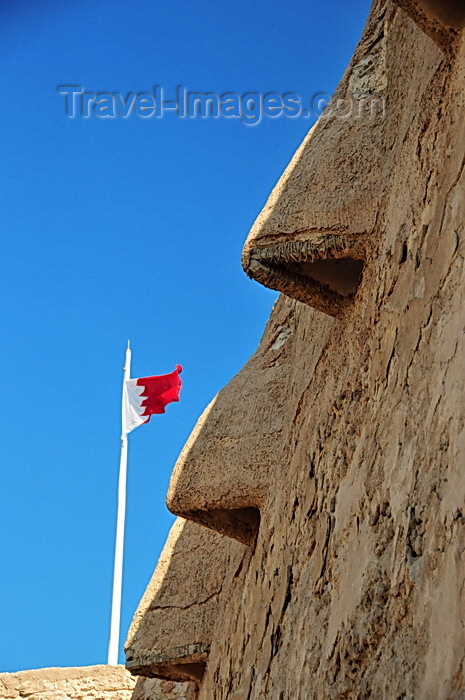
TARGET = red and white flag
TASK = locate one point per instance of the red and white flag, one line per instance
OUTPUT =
(148, 395)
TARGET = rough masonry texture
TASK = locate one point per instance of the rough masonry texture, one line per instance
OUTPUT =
(335, 459)
(88, 683)
(184, 618)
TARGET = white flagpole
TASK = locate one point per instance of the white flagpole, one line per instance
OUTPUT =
(119, 545)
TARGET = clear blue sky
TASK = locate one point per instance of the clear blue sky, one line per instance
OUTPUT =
(116, 229)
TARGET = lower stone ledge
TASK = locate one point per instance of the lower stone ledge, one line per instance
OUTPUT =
(89, 683)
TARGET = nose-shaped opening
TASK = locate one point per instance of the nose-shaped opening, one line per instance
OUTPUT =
(323, 278)
(176, 672)
(449, 12)
(186, 672)
(339, 276)
(242, 524)
(442, 20)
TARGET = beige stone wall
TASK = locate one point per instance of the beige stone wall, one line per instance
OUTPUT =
(356, 586)
(347, 431)
(88, 683)
(171, 631)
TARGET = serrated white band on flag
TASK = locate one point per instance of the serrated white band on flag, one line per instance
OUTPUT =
(132, 406)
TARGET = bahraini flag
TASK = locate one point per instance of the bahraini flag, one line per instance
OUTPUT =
(148, 395)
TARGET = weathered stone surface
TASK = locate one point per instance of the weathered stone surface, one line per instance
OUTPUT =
(154, 689)
(171, 632)
(226, 465)
(88, 683)
(351, 438)
(322, 222)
